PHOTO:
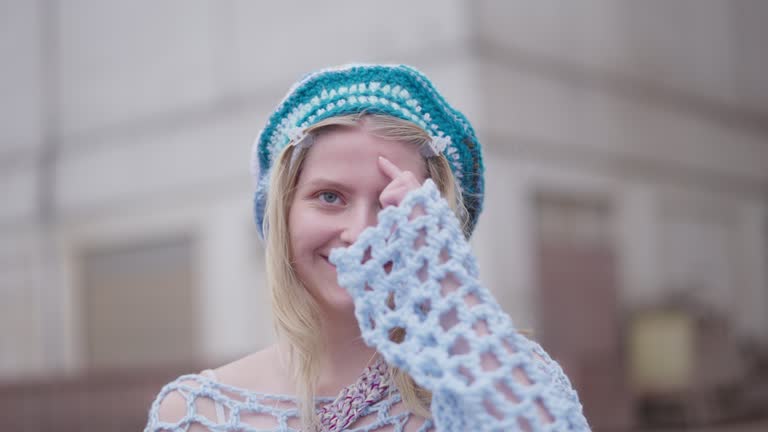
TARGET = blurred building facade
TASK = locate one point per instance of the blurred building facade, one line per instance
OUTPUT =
(626, 146)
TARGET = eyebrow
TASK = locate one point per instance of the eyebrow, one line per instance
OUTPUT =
(327, 183)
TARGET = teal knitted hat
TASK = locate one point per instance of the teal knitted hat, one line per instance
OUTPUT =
(397, 90)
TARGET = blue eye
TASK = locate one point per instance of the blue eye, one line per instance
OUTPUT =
(328, 197)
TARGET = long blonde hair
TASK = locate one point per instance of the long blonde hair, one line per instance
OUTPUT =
(296, 314)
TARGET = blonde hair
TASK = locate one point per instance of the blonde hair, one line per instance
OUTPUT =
(296, 314)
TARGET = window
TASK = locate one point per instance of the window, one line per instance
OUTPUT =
(139, 304)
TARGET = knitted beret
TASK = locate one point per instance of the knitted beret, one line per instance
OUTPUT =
(397, 90)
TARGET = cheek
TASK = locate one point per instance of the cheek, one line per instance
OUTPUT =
(308, 231)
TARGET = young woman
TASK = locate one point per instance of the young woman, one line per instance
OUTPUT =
(368, 186)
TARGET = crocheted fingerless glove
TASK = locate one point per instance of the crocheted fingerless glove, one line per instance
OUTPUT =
(414, 270)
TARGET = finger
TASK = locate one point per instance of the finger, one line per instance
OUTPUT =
(388, 168)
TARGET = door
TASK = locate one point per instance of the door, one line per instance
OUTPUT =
(577, 302)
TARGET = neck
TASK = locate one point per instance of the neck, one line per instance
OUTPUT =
(345, 355)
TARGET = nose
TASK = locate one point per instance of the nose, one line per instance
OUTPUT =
(357, 220)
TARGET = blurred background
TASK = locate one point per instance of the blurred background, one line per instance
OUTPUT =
(626, 145)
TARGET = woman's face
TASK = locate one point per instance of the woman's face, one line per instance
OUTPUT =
(337, 197)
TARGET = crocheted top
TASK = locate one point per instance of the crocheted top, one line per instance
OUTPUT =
(364, 406)
(414, 270)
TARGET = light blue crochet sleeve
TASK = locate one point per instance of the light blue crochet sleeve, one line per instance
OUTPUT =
(414, 270)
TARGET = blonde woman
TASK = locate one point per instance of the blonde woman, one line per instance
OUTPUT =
(368, 186)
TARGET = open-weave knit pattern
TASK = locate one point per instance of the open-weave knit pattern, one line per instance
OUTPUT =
(395, 90)
(236, 402)
(414, 270)
(381, 411)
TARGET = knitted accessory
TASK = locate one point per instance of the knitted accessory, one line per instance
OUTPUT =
(353, 401)
(396, 90)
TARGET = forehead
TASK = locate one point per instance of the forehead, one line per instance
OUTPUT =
(351, 154)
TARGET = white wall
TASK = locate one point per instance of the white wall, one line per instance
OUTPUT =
(143, 115)
(149, 112)
(644, 103)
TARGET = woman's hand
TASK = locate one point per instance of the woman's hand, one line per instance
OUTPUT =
(401, 182)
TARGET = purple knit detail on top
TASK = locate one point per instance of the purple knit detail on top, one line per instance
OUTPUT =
(351, 403)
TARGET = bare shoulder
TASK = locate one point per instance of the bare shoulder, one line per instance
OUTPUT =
(264, 371)
(259, 372)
